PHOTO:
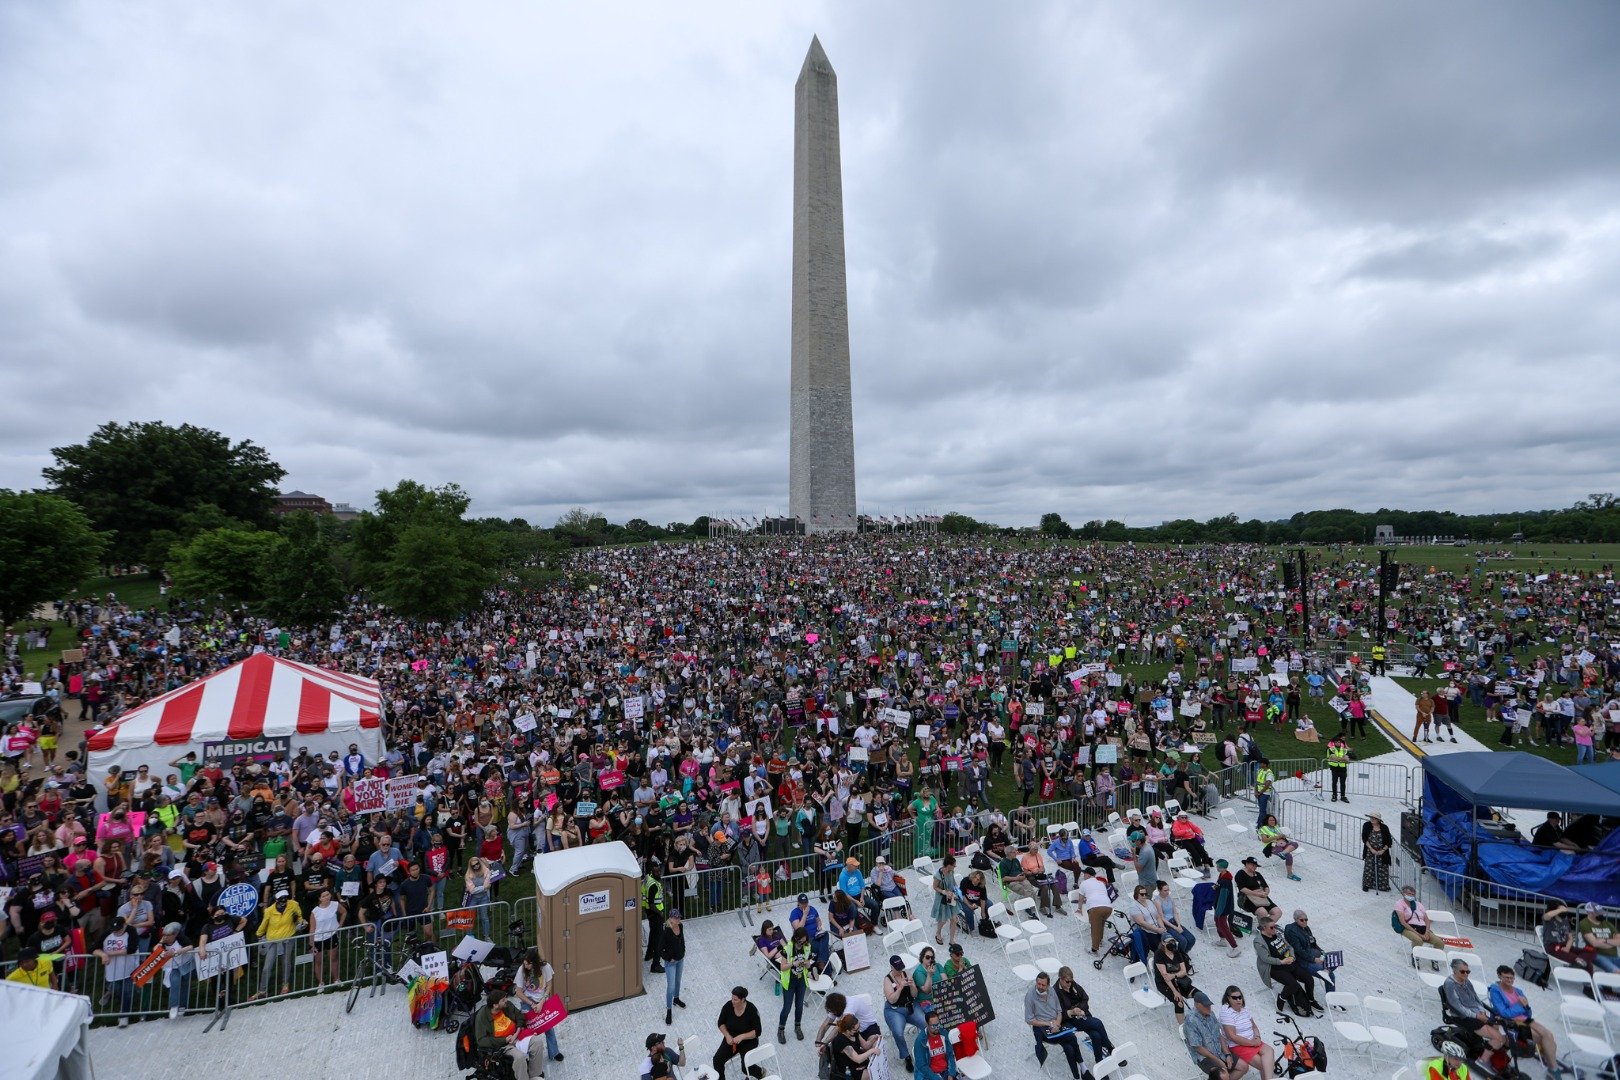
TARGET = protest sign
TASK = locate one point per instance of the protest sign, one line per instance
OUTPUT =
(239, 900)
(632, 708)
(962, 998)
(375, 795)
(550, 1013)
(1107, 754)
(436, 965)
(856, 956)
(525, 723)
(226, 954)
(151, 966)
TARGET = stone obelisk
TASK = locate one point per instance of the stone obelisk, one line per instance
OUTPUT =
(821, 459)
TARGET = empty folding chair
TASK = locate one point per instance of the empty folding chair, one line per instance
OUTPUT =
(697, 1062)
(1386, 1023)
(1172, 807)
(1344, 1010)
(1443, 923)
(916, 935)
(1113, 820)
(1023, 965)
(1573, 984)
(758, 1056)
(1431, 964)
(1229, 816)
(1144, 995)
(923, 865)
(1006, 929)
(1042, 947)
(1587, 1036)
(973, 1067)
(895, 907)
(1024, 910)
(1608, 990)
(1115, 1064)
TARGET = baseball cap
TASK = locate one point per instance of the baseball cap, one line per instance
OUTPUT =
(1592, 909)
(47, 914)
(675, 913)
(654, 1039)
(282, 894)
(1201, 998)
(880, 859)
(897, 963)
(803, 897)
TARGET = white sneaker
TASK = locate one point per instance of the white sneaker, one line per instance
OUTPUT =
(174, 1012)
(123, 1021)
(1232, 952)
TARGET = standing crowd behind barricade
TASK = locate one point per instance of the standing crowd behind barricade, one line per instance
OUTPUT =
(743, 716)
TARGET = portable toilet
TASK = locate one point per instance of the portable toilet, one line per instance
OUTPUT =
(588, 901)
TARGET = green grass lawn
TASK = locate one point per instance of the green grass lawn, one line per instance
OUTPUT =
(137, 590)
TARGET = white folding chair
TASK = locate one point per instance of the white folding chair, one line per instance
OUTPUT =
(825, 983)
(758, 1056)
(1024, 910)
(697, 1062)
(1443, 923)
(1116, 839)
(1042, 947)
(1180, 860)
(1229, 816)
(1155, 809)
(1051, 831)
(974, 1067)
(1172, 807)
(1344, 1010)
(1608, 989)
(895, 907)
(1115, 1064)
(916, 935)
(1072, 827)
(1386, 1023)
(1022, 963)
(1001, 919)
(1573, 984)
(1144, 995)
(1476, 968)
(923, 865)
(1587, 1035)
(1431, 964)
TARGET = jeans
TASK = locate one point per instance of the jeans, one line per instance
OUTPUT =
(1583, 752)
(1264, 802)
(179, 989)
(1606, 963)
(792, 998)
(122, 992)
(897, 1019)
(552, 1050)
(1070, 1045)
(1324, 973)
(479, 899)
(672, 981)
(438, 894)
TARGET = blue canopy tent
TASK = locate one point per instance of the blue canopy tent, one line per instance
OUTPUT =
(1460, 789)
(1606, 773)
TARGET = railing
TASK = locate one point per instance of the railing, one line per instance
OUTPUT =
(1313, 823)
(714, 891)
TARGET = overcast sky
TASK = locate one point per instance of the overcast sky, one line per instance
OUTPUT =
(1136, 261)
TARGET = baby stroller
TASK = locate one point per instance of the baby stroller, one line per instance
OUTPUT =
(1116, 940)
(462, 997)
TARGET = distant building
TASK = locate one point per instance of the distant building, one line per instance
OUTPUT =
(1383, 534)
(345, 512)
(291, 502)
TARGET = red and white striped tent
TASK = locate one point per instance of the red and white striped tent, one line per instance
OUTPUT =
(262, 705)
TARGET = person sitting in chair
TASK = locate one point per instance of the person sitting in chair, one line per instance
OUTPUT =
(496, 1028)
(1464, 1008)
(1509, 1005)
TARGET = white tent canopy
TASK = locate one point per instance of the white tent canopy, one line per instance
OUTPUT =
(258, 707)
(47, 1033)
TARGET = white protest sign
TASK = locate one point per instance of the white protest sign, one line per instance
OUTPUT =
(856, 956)
(632, 708)
(436, 966)
(411, 970)
(377, 794)
(226, 954)
(474, 949)
(526, 722)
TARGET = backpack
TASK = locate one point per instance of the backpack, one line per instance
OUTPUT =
(1533, 966)
(466, 1048)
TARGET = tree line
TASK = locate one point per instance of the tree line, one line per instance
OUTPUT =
(189, 504)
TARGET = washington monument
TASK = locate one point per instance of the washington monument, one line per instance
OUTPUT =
(821, 458)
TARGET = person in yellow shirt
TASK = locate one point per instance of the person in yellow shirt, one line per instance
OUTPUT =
(33, 971)
(278, 931)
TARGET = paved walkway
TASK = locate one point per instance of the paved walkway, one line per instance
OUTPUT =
(313, 1038)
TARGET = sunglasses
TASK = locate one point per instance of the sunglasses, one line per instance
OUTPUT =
(1234, 997)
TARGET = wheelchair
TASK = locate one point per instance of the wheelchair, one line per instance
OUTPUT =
(1493, 1064)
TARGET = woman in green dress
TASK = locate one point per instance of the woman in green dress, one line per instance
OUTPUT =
(925, 808)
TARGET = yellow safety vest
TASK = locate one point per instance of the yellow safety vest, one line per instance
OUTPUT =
(652, 894)
(1338, 757)
(1264, 779)
(1377, 652)
(1436, 1070)
(787, 963)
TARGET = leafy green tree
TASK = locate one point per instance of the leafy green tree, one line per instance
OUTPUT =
(954, 524)
(228, 563)
(1054, 525)
(135, 479)
(580, 527)
(302, 585)
(47, 548)
(376, 533)
(437, 571)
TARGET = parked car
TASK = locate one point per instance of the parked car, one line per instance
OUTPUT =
(34, 707)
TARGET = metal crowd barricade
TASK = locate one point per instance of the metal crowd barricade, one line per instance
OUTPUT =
(1491, 907)
(714, 891)
(791, 876)
(1382, 780)
(1311, 822)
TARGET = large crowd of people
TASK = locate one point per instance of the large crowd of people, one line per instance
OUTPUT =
(747, 704)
